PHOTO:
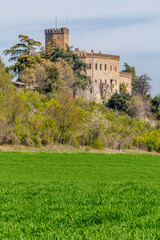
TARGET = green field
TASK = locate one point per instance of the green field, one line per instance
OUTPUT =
(79, 196)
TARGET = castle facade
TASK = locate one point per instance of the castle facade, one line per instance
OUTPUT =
(104, 69)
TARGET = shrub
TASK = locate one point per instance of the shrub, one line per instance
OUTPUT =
(26, 140)
(97, 144)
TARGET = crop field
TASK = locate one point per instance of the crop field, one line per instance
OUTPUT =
(79, 196)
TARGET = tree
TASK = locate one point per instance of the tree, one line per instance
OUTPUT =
(156, 106)
(68, 116)
(55, 54)
(140, 84)
(122, 88)
(129, 69)
(97, 124)
(23, 54)
(44, 76)
(11, 107)
(5, 80)
(119, 101)
(140, 108)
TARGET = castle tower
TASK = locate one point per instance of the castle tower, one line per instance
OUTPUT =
(59, 36)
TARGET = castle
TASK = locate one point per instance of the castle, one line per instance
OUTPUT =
(104, 69)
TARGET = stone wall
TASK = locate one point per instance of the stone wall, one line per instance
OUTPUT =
(126, 78)
(104, 73)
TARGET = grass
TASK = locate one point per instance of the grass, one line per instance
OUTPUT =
(79, 196)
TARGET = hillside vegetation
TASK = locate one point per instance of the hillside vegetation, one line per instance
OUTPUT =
(49, 113)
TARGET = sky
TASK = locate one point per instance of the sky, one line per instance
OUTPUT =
(127, 28)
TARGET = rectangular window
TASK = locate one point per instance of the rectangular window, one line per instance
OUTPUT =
(89, 65)
(100, 66)
(111, 68)
(105, 67)
(96, 66)
(91, 90)
(115, 68)
(105, 81)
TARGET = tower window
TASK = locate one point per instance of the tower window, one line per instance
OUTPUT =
(96, 66)
(105, 81)
(100, 66)
(90, 90)
(89, 65)
(105, 67)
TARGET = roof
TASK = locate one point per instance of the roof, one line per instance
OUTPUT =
(87, 54)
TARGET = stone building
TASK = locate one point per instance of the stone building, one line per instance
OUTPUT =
(59, 36)
(104, 69)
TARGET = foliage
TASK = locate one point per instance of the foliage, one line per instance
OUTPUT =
(129, 69)
(67, 114)
(140, 108)
(97, 124)
(50, 114)
(156, 106)
(55, 53)
(140, 84)
(122, 88)
(23, 54)
(119, 101)
(48, 68)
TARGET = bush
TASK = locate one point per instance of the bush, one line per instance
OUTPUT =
(120, 101)
(26, 140)
(97, 144)
(151, 144)
(37, 141)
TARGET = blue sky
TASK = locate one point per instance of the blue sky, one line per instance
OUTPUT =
(127, 28)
